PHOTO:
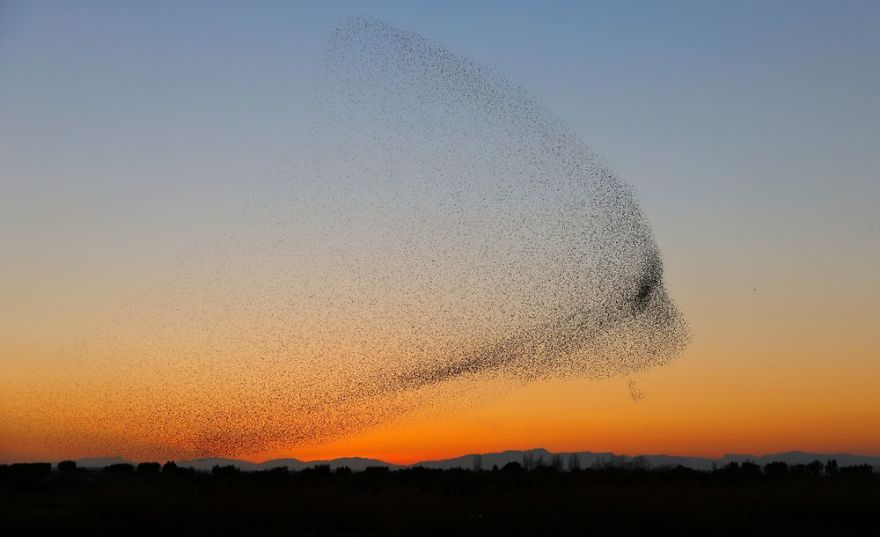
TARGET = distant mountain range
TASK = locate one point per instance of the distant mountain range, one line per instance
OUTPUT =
(585, 459)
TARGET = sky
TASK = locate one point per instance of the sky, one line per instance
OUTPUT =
(130, 133)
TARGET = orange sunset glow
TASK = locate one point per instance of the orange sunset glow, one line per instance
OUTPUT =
(411, 238)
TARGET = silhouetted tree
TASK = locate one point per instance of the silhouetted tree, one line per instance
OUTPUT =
(729, 471)
(750, 469)
(276, 474)
(148, 468)
(279, 471)
(121, 468)
(67, 467)
(574, 462)
(857, 469)
(384, 500)
(321, 469)
(169, 467)
(831, 467)
(776, 470)
(681, 471)
(31, 468)
(814, 468)
(512, 467)
(798, 470)
(226, 470)
(376, 470)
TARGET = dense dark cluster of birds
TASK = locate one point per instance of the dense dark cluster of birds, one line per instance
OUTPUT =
(437, 235)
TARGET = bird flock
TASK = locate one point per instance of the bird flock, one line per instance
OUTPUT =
(436, 235)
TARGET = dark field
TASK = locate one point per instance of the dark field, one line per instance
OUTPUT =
(746, 499)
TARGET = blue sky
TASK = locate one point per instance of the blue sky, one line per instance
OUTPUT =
(131, 131)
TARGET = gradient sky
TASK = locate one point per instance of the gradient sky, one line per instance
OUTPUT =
(131, 132)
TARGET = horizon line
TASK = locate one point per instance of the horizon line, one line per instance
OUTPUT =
(124, 459)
